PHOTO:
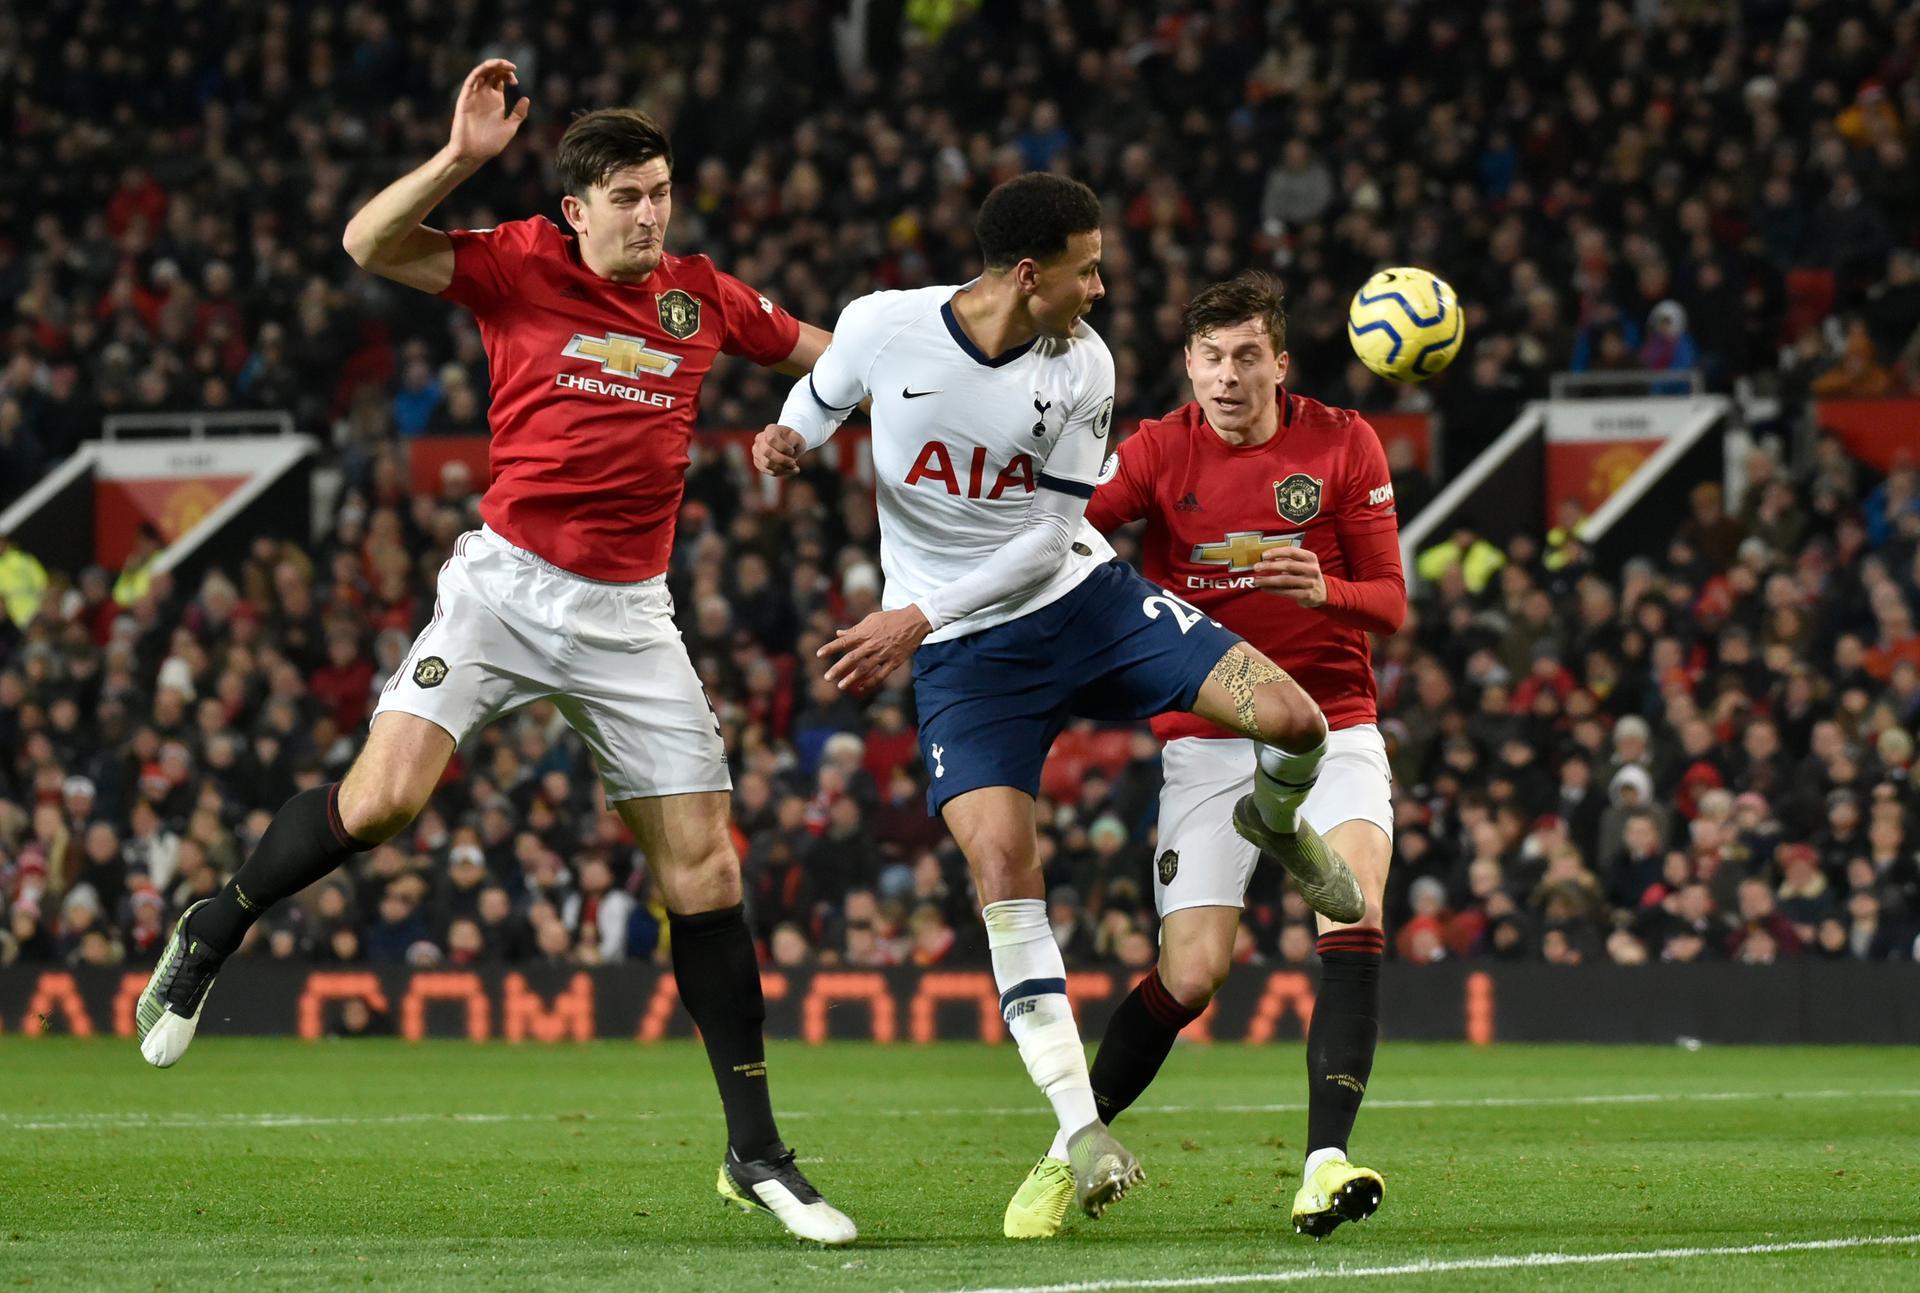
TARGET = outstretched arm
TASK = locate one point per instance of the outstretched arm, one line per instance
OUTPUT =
(386, 235)
(821, 400)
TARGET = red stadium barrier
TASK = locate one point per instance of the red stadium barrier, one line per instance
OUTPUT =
(1802, 1001)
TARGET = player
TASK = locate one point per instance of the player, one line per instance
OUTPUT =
(1275, 514)
(598, 342)
(992, 404)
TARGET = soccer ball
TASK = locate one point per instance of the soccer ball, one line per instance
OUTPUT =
(1405, 324)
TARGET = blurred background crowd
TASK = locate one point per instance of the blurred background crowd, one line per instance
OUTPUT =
(1703, 754)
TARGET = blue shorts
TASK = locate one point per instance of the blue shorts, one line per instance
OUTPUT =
(1117, 648)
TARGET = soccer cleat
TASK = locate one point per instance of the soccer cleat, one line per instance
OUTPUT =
(1103, 1169)
(1325, 879)
(1336, 1192)
(774, 1185)
(1039, 1207)
(170, 1005)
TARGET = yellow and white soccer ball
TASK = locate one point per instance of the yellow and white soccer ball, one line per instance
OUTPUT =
(1405, 324)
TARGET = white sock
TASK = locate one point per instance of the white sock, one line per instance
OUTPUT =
(1282, 782)
(1059, 1147)
(1318, 1157)
(1033, 1000)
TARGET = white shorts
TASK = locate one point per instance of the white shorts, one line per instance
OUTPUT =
(1202, 862)
(509, 627)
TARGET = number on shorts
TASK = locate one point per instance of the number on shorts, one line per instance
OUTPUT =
(1184, 615)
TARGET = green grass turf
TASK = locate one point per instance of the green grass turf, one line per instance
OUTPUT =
(600, 1174)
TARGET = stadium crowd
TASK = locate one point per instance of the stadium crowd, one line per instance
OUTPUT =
(1705, 754)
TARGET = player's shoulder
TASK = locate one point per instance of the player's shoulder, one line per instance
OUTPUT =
(877, 317)
(694, 272)
(1082, 347)
(1084, 355)
(898, 305)
(535, 233)
(1327, 419)
(532, 236)
(1175, 426)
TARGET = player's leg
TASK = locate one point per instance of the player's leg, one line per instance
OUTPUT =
(465, 667)
(1352, 799)
(634, 697)
(994, 827)
(1199, 884)
(1247, 693)
(1199, 881)
(312, 835)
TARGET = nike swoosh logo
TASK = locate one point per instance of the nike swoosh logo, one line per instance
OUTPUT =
(907, 394)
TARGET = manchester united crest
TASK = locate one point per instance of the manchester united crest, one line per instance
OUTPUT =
(1169, 866)
(1297, 497)
(679, 314)
(430, 672)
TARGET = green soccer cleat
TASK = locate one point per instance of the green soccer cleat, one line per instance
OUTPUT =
(775, 1186)
(1336, 1192)
(1103, 1169)
(169, 1008)
(1325, 879)
(1039, 1207)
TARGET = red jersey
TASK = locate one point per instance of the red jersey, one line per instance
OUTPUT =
(1212, 507)
(595, 386)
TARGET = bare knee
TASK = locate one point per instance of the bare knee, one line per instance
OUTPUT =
(1194, 974)
(705, 877)
(1289, 718)
(1003, 868)
(374, 808)
(394, 776)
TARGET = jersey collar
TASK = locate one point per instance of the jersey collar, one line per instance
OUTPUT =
(974, 352)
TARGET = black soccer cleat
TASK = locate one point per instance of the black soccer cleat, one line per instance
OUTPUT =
(775, 1185)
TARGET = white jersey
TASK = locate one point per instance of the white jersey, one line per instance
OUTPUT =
(961, 441)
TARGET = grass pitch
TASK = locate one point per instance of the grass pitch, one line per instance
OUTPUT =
(282, 1165)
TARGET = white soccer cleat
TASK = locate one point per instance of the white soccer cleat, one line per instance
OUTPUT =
(774, 1185)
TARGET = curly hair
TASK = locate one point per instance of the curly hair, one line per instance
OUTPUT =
(1030, 217)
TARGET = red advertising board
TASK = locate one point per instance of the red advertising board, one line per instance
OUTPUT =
(1874, 431)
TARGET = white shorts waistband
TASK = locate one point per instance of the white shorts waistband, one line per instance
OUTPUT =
(494, 537)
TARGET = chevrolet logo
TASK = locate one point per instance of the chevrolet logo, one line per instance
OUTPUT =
(1241, 549)
(622, 355)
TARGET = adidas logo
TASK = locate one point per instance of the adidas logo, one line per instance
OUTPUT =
(1189, 504)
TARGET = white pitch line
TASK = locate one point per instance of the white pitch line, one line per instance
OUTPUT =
(138, 1121)
(1461, 1102)
(1518, 1261)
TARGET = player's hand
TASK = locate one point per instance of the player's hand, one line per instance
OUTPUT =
(874, 648)
(1292, 571)
(482, 126)
(777, 450)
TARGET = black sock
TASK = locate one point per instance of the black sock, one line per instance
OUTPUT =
(718, 972)
(1343, 1034)
(305, 842)
(1138, 1039)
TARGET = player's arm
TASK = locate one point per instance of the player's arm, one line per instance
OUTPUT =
(807, 349)
(1123, 493)
(833, 385)
(1374, 597)
(386, 236)
(883, 641)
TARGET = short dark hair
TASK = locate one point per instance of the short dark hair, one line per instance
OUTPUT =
(1250, 295)
(1030, 217)
(606, 140)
